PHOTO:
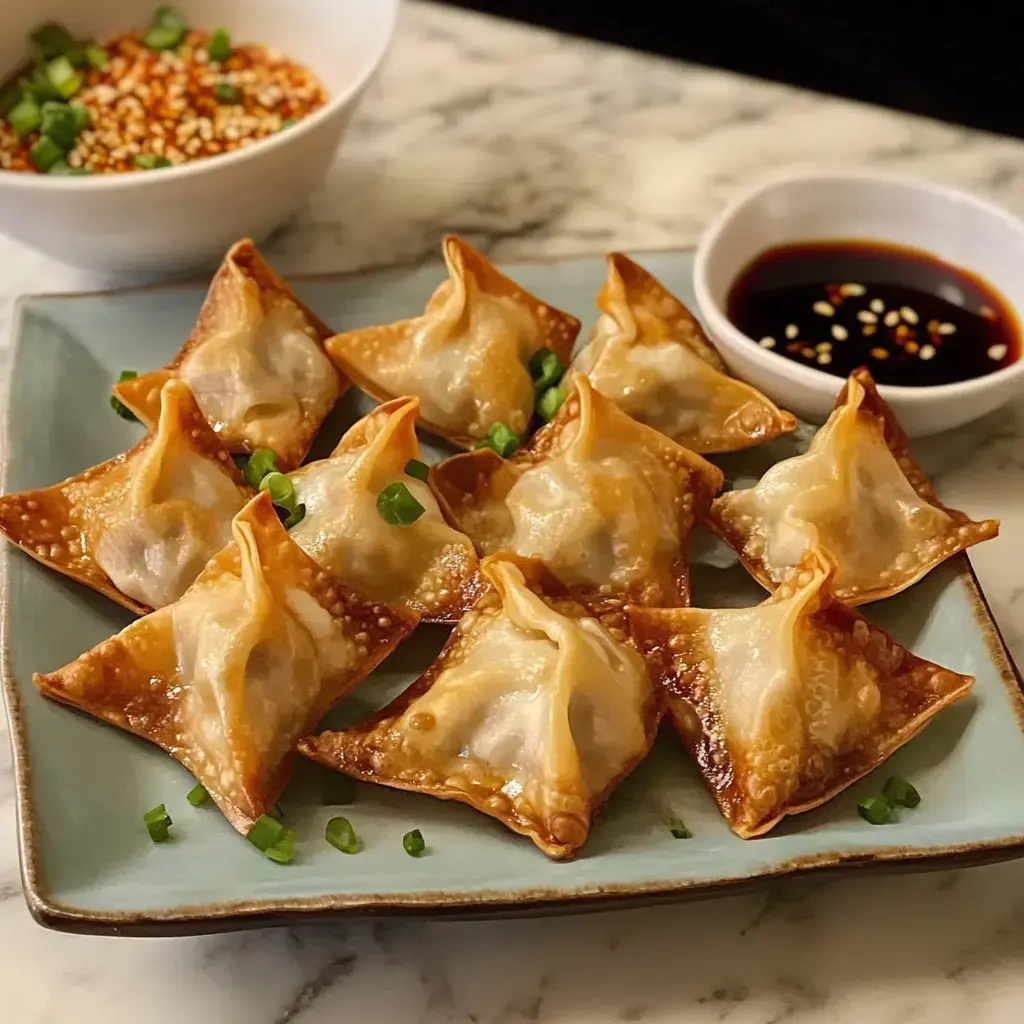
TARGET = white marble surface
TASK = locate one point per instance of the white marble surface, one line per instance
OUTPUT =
(530, 144)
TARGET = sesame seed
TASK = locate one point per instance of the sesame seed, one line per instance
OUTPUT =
(767, 342)
(807, 352)
(877, 306)
(988, 313)
(892, 318)
(947, 328)
(824, 308)
(908, 314)
(868, 330)
(878, 353)
(792, 331)
(839, 332)
(865, 316)
(927, 352)
(824, 346)
(852, 289)
(824, 358)
(911, 348)
(997, 352)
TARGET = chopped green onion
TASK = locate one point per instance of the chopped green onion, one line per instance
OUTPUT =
(226, 92)
(281, 852)
(265, 832)
(875, 809)
(197, 795)
(60, 123)
(150, 161)
(678, 829)
(261, 462)
(500, 439)
(550, 402)
(62, 167)
(281, 490)
(158, 823)
(220, 45)
(39, 87)
(116, 404)
(9, 99)
(338, 789)
(288, 122)
(900, 793)
(167, 29)
(25, 117)
(83, 116)
(397, 506)
(96, 56)
(417, 469)
(45, 153)
(296, 516)
(413, 844)
(342, 836)
(545, 368)
(52, 40)
(63, 77)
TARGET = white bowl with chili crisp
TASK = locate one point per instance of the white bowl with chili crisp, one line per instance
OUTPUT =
(807, 277)
(147, 138)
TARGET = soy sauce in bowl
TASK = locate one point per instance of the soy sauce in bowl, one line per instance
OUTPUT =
(907, 316)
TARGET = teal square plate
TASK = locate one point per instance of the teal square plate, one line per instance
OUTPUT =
(83, 786)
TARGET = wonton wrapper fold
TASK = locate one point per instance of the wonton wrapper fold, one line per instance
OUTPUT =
(228, 678)
(532, 713)
(787, 703)
(428, 565)
(139, 527)
(605, 502)
(650, 356)
(255, 362)
(858, 496)
(466, 357)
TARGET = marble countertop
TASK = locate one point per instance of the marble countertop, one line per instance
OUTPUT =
(531, 144)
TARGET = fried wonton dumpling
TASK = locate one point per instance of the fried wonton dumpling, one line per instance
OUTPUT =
(228, 678)
(428, 565)
(605, 502)
(532, 713)
(139, 527)
(466, 357)
(650, 356)
(255, 362)
(787, 703)
(856, 494)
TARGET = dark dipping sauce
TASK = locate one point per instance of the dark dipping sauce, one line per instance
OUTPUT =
(911, 319)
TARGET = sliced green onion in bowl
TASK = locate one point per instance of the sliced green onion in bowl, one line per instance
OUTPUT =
(45, 153)
(219, 48)
(678, 829)
(198, 795)
(167, 29)
(63, 77)
(281, 490)
(501, 439)
(150, 161)
(25, 117)
(875, 809)
(342, 836)
(60, 167)
(226, 92)
(116, 404)
(295, 516)
(9, 99)
(158, 823)
(545, 368)
(52, 39)
(413, 843)
(397, 506)
(261, 462)
(60, 123)
(96, 57)
(418, 470)
(549, 402)
(900, 793)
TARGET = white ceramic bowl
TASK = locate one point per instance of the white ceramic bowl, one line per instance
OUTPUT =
(188, 215)
(956, 227)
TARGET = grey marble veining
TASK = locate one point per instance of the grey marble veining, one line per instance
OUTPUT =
(532, 145)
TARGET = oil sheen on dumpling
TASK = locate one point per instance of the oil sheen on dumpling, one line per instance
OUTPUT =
(427, 564)
(466, 358)
(785, 704)
(649, 355)
(852, 496)
(531, 714)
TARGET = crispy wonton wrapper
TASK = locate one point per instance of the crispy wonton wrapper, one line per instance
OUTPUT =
(532, 713)
(857, 495)
(139, 527)
(786, 704)
(230, 676)
(255, 362)
(650, 356)
(605, 502)
(427, 565)
(467, 356)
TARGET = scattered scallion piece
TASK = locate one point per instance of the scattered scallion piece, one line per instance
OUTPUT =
(261, 462)
(283, 850)
(226, 92)
(116, 404)
(150, 161)
(166, 30)
(25, 117)
(220, 45)
(338, 790)
(875, 809)
(546, 369)
(63, 77)
(52, 40)
(342, 836)
(45, 153)
(418, 470)
(39, 87)
(295, 516)
(900, 793)
(413, 843)
(60, 123)
(63, 167)
(197, 795)
(500, 439)
(678, 829)
(9, 99)
(82, 115)
(265, 832)
(158, 823)
(281, 490)
(549, 402)
(96, 56)
(397, 506)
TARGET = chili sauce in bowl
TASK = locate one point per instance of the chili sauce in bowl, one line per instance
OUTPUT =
(912, 319)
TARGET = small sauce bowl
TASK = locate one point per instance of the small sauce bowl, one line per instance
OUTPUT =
(951, 225)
